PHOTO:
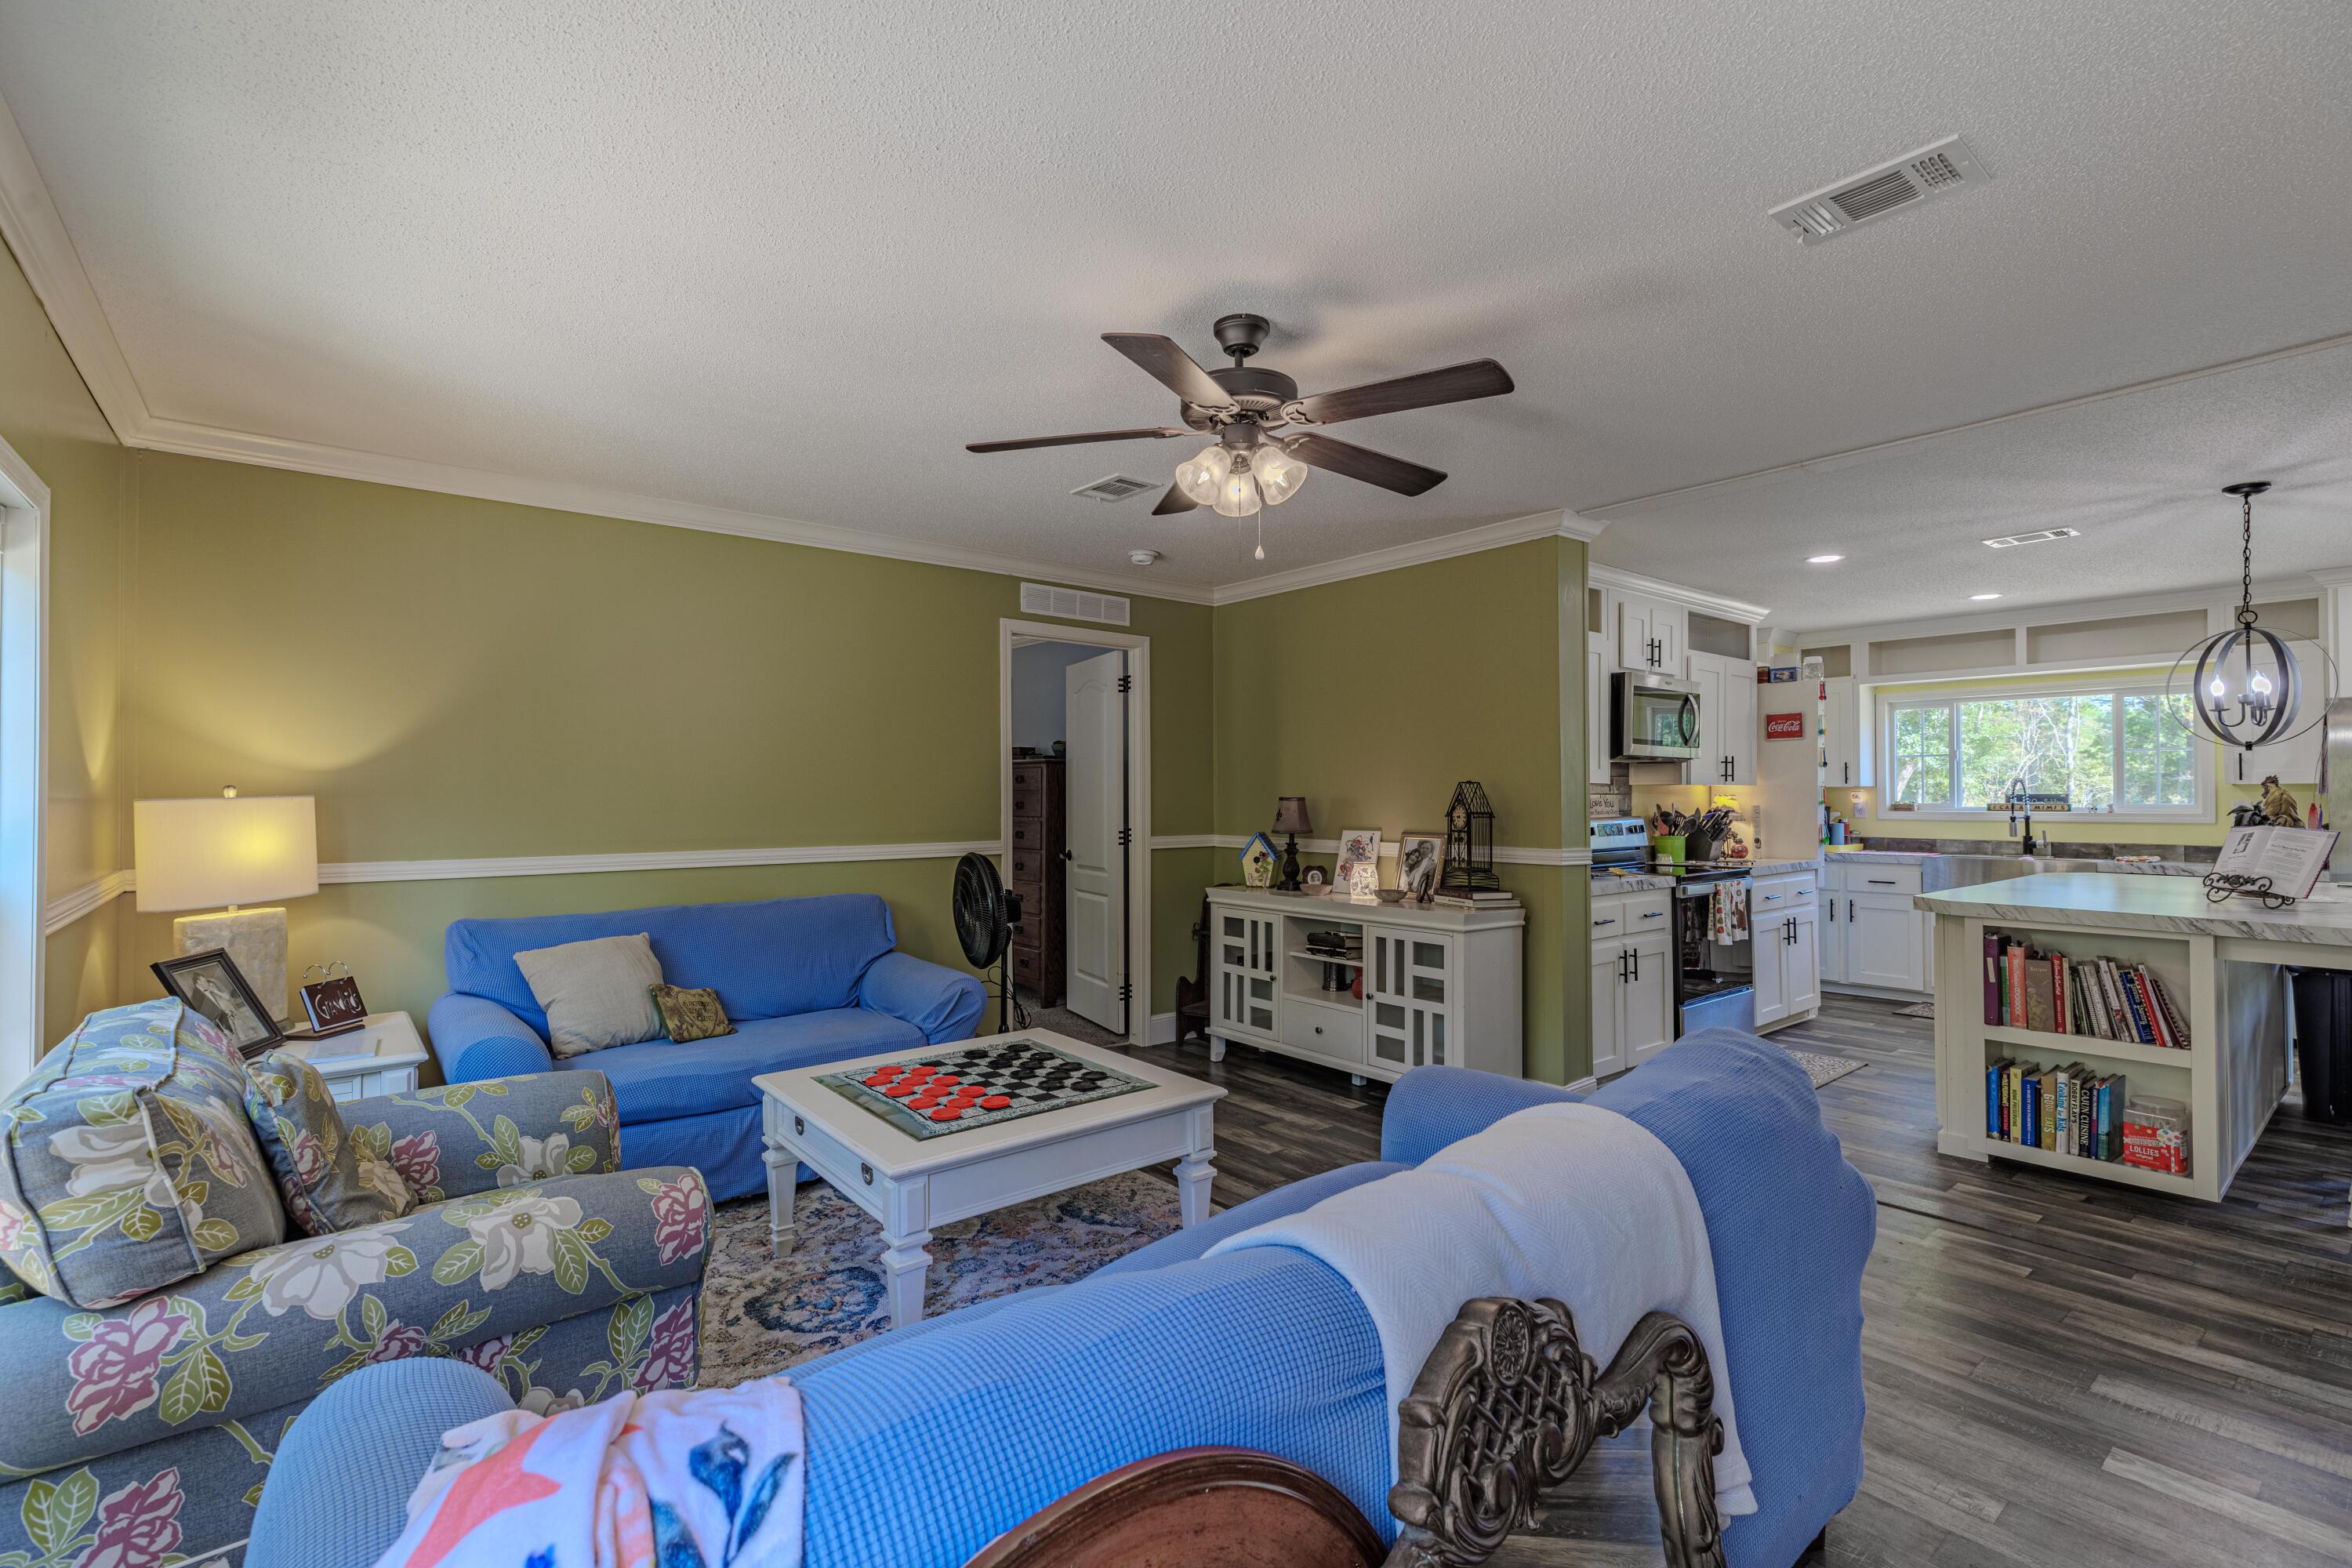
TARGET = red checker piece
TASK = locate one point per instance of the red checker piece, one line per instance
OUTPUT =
(945, 1079)
(921, 1072)
(878, 1081)
(899, 1090)
(995, 1101)
(890, 1069)
(946, 1113)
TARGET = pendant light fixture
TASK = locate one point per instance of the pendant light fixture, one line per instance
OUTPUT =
(2244, 688)
(1239, 480)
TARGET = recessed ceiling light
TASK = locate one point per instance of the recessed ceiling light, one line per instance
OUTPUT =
(1984, 595)
(1821, 560)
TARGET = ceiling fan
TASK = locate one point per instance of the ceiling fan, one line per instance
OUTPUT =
(1251, 410)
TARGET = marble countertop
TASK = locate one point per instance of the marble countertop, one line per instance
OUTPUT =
(1628, 882)
(1770, 868)
(1883, 856)
(2147, 903)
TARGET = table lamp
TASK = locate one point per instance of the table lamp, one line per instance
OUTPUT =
(1290, 818)
(203, 854)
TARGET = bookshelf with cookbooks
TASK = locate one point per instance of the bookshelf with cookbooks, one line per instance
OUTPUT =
(2116, 1028)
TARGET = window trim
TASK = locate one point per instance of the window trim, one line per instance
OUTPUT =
(24, 759)
(1890, 698)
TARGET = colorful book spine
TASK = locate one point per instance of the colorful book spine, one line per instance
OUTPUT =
(2061, 1016)
(2141, 1029)
(1993, 992)
(2175, 1024)
(2015, 970)
(2145, 982)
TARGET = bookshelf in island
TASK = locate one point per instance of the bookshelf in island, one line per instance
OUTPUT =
(2121, 1027)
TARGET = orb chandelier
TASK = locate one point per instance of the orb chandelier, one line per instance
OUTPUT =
(2243, 686)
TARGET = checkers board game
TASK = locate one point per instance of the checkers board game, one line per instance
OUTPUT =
(980, 1086)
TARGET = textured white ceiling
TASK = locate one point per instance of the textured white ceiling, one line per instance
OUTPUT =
(787, 260)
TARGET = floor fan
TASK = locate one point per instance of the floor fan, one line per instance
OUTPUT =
(985, 915)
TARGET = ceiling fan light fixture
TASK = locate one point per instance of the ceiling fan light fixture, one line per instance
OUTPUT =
(1237, 494)
(1200, 476)
(1279, 475)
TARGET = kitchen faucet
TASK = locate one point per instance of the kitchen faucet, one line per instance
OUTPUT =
(2018, 800)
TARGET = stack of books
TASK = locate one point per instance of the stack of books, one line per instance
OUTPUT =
(2070, 1109)
(2101, 998)
(1483, 899)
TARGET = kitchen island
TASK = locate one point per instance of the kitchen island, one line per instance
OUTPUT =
(2222, 963)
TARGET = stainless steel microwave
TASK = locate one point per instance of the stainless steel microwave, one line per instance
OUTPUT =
(1653, 718)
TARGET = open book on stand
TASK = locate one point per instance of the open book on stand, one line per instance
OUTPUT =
(2283, 862)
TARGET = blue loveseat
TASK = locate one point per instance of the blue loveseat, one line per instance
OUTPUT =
(804, 980)
(1001, 1408)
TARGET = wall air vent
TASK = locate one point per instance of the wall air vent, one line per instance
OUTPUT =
(1937, 169)
(2044, 537)
(1073, 603)
(1119, 487)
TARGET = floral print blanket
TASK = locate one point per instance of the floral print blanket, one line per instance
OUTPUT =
(712, 1477)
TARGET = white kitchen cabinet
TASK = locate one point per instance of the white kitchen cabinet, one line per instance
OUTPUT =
(1869, 934)
(2293, 761)
(1785, 923)
(1650, 636)
(1845, 739)
(1632, 980)
(1441, 986)
(1596, 709)
(1727, 720)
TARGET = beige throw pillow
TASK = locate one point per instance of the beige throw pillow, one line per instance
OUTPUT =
(595, 993)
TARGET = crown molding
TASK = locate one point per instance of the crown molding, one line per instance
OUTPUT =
(2222, 594)
(30, 224)
(1469, 542)
(2332, 577)
(1675, 594)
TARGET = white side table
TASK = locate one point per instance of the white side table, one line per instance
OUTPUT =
(380, 1057)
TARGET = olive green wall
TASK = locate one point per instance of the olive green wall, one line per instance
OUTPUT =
(47, 415)
(458, 678)
(1373, 697)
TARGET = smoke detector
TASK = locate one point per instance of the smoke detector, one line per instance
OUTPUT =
(1936, 170)
(2044, 537)
(1143, 557)
(1118, 486)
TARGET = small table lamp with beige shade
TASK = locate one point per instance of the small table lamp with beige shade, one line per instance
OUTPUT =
(233, 851)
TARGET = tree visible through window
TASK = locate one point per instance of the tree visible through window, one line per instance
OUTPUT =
(2122, 750)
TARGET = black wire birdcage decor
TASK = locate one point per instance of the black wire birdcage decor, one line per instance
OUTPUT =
(1469, 842)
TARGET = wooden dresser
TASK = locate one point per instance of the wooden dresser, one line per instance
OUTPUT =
(1039, 847)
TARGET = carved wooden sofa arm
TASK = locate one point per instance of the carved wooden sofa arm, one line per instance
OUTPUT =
(1505, 1409)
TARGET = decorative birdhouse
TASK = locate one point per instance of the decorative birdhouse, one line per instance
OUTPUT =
(1469, 842)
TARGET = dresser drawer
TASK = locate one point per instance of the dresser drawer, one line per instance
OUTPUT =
(1620, 915)
(1028, 864)
(1863, 877)
(1029, 833)
(1028, 790)
(1027, 964)
(1335, 1034)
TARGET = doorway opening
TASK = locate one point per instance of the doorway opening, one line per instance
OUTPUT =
(23, 759)
(1074, 787)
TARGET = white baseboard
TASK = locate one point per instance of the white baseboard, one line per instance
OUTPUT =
(1163, 1029)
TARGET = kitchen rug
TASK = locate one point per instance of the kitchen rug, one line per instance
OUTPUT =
(1825, 1070)
(761, 1315)
(1916, 1010)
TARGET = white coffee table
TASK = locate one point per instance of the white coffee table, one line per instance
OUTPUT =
(913, 1183)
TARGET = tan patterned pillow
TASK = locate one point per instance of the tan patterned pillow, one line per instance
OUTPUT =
(690, 1015)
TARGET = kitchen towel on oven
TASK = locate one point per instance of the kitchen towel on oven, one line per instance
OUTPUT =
(1726, 912)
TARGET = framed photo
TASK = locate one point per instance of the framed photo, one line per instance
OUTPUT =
(1360, 861)
(209, 982)
(1419, 858)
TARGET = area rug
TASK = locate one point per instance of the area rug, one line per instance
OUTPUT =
(1916, 1010)
(761, 1315)
(1825, 1070)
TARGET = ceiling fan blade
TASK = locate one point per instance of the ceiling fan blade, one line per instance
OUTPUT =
(1455, 383)
(1363, 463)
(1157, 433)
(1173, 501)
(1172, 367)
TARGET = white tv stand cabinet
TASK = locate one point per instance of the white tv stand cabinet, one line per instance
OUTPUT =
(1441, 985)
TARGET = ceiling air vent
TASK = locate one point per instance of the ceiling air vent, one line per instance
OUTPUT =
(2044, 537)
(1119, 487)
(1073, 603)
(1935, 170)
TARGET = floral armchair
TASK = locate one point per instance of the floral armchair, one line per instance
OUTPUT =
(139, 1435)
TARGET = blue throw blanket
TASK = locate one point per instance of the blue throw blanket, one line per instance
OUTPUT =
(927, 1441)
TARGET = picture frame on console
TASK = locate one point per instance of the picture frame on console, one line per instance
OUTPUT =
(1358, 871)
(210, 983)
(1420, 857)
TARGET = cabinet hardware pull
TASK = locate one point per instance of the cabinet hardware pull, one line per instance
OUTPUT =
(1607, 923)
(1621, 966)
(1636, 956)
(799, 1127)
(1653, 915)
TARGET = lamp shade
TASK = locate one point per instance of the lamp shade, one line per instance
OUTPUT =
(205, 853)
(1290, 815)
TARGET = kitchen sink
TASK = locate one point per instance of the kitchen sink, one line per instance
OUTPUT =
(1940, 872)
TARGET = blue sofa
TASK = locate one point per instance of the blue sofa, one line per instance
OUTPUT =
(804, 980)
(1004, 1406)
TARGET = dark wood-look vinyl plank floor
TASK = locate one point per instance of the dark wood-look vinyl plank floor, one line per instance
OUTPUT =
(2058, 1370)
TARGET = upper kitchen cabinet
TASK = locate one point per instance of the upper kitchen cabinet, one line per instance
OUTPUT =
(1725, 670)
(1845, 736)
(1650, 636)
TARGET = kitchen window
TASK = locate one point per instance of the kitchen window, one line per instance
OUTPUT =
(2115, 749)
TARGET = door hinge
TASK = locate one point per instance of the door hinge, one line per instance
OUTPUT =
(1126, 684)
(1126, 836)
(1127, 991)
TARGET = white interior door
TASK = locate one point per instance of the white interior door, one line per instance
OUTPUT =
(1094, 895)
